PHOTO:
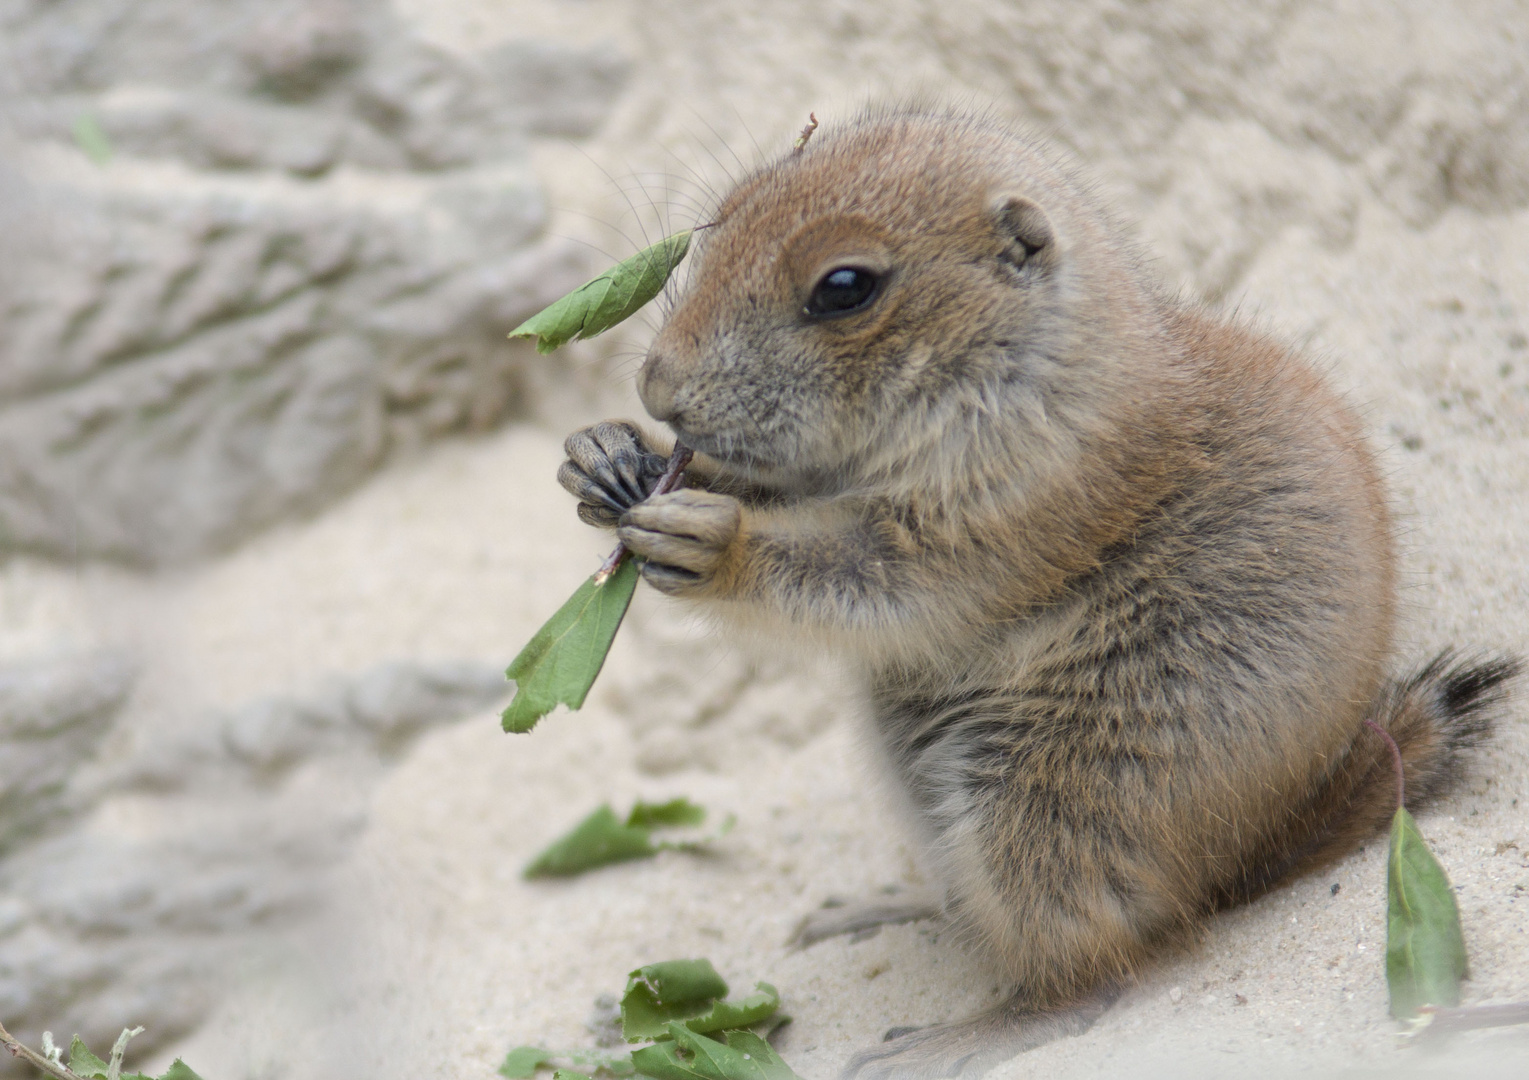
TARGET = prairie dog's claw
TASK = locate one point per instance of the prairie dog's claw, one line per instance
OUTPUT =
(610, 468)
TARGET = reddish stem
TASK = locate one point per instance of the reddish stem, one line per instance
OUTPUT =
(33, 1058)
(801, 140)
(1396, 760)
(674, 475)
(1448, 1021)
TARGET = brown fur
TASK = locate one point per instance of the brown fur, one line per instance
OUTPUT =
(1117, 573)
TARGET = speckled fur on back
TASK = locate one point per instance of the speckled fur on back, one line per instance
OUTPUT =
(1117, 572)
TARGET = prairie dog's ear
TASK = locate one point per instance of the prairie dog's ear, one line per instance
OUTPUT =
(1025, 230)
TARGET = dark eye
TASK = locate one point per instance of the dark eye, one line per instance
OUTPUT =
(842, 291)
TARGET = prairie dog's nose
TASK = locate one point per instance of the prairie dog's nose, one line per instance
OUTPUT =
(656, 385)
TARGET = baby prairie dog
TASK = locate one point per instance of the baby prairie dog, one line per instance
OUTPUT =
(1116, 572)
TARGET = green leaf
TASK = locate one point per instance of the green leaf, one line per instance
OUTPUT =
(1425, 949)
(688, 1056)
(617, 1064)
(615, 295)
(89, 137)
(688, 991)
(179, 1070)
(560, 663)
(522, 1062)
(674, 813)
(760, 1005)
(700, 841)
(602, 838)
(569, 1074)
(598, 840)
(83, 1062)
(673, 990)
(663, 1061)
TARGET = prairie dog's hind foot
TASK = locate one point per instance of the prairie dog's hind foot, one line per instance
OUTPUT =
(864, 917)
(969, 1048)
(610, 469)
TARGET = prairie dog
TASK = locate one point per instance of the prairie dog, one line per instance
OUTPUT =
(1117, 573)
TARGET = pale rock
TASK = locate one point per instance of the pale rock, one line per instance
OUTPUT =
(312, 235)
(54, 712)
(195, 848)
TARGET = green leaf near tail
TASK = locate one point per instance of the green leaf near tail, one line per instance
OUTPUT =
(1425, 949)
(614, 296)
(560, 663)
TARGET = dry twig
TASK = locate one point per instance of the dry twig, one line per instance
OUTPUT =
(673, 476)
(801, 140)
(33, 1058)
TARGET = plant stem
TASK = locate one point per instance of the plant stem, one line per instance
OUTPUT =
(673, 476)
(801, 140)
(114, 1066)
(1446, 1022)
(1396, 760)
(33, 1058)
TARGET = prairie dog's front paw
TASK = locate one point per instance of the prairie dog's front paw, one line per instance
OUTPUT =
(609, 468)
(682, 536)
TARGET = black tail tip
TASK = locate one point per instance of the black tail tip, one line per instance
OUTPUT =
(1468, 690)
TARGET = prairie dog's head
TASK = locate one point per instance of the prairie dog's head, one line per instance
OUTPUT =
(861, 301)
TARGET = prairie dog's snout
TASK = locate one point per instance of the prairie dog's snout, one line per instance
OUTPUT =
(657, 385)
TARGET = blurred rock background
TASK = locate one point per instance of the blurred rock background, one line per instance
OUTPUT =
(296, 249)
(252, 250)
(276, 500)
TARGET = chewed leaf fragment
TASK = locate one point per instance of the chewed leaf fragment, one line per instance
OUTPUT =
(1425, 948)
(179, 1070)
(760, 1005)
(602, 838)
(560, 663)
(673, 990)
(686, 1055)
(690, 992)
(83, 1062)
(615, 1063)
(522, 1062)
(614, 296)
(598, 840)
(675, 812)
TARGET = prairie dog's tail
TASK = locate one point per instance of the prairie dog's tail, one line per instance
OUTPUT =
(1446, 706)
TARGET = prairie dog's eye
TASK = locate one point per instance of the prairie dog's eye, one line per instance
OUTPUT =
(841, 291)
